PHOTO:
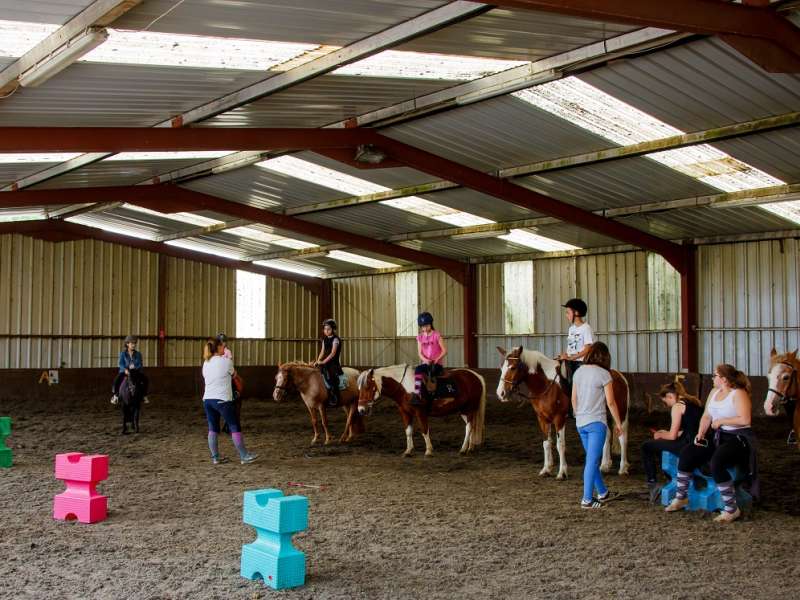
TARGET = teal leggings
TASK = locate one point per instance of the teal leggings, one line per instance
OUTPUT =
(593, 436)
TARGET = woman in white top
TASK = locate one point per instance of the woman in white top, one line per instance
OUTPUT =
(218, 401)
(728, 413)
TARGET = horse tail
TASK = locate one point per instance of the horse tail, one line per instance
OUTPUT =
(479, 420)
(623, 405)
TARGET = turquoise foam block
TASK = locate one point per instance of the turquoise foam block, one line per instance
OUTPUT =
(271, 556)
(704, 497)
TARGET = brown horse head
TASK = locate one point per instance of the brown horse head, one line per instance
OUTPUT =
(782, 379)
(283, 382)
(513, 371)
(367, 391)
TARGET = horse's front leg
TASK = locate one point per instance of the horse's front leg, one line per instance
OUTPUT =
(606, 464)
(562, 452)
(547, 448)
(313, 416)
(347, 434)
(324, 414)
(424, 426)
(408, 425)
(467, 445)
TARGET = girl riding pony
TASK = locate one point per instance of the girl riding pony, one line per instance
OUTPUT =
(431, 350)
(130, 359)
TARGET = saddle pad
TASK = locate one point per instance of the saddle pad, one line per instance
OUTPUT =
(446, 388)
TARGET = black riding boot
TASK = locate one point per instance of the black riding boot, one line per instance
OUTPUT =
(333, 396)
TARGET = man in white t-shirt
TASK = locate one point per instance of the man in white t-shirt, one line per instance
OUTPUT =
(579, 339)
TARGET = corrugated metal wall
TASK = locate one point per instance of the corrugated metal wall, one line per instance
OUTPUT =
(52, 296)
(615, 288)
(70, 305)
(749, 301)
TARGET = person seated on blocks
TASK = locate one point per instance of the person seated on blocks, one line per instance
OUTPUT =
(685, 413)
(431, 350)
(733, 444)
(328, 360)
(130, 359)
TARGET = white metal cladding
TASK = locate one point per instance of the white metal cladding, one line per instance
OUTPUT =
(515, 35)
(83, 288)
(325, 100)
(313, 21)
(698, 86)
(748, 303)
(444, 298)
(615, 288)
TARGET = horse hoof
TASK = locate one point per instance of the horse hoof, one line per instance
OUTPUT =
(429, 454)
(624, 470)
(406, 454)
(561, 476)
(545, 473)
(605, 468)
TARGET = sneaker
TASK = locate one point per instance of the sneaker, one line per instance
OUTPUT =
(593, 503)
(147, 400)
(250, 458)
(114, 399)
(728, 517)
(608, 496)
(218, 460)
(792, 439)
(653, 492)
(677, 504)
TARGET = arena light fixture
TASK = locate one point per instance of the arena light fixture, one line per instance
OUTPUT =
(63, 57)
(304, 170)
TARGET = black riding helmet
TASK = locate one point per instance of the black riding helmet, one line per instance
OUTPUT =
(222, 338)
(578, 306)
(330, 323)
(425, 318)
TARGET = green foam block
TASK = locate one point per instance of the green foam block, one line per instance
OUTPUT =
(5, 431)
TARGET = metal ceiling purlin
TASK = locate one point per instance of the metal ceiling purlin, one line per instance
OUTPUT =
(99, 13)
(57, 231)
(171, 198)
(760, 33)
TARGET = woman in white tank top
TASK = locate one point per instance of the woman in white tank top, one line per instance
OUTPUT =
(732, 444)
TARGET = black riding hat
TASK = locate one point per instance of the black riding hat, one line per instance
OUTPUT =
(222, 338)
(425, 318)
(131, 339)
(330, 323)
(577, 305)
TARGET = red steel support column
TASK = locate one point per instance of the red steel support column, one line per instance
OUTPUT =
(471, 317)
(689, 348)
(162, 311)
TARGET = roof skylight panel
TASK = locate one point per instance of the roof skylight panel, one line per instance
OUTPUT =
(292, 266)
(358, 259)
(787, 210)
(18, 37)
(269, 238)
(33, 157)
(206, 248)
(8, 215)
(593, 110)
(523, 237)
(183, 217)
(98, 221)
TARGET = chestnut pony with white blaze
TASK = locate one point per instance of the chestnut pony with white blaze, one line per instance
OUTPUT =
(541, 377)
(403, 373)
(469, 402)
(784, 384)
(307, 381)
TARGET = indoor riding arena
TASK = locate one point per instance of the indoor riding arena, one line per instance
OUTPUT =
(415, 299)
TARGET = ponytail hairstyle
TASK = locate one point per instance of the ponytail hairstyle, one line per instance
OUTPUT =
(676, 387)
(599, 355)
(210, 349)
(735, 378)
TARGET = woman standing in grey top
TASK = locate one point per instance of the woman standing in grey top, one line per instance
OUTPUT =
(592, 392)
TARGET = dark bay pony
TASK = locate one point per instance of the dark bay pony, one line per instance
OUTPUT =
(542, 378)
(470, 403)
(784, 386)
(307, 381)
(131, 395)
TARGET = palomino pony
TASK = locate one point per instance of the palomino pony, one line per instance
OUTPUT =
(540, 374)
(784, 385)
(470, 403)
(307, 381)
(131, 395)
(403, 373)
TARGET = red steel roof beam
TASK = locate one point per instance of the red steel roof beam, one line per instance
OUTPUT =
(757, 31)
(535, 201)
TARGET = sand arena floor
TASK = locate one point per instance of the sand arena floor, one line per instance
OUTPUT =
(483, 526)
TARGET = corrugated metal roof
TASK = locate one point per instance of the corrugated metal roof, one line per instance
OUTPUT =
(38, 11)
(316, 21)
(776, 152)
(106, 95)
(515, 35)
(374, 220)
(325, 100)
(615, 184)
(497, 133)
(697, 86)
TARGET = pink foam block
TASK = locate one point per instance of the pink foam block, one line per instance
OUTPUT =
(81, 473)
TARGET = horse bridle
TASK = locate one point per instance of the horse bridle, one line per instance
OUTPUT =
(518, 381)
(784, 398)
(374, 401)
(283, 388)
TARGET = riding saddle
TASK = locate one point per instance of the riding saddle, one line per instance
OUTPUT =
(440, 387)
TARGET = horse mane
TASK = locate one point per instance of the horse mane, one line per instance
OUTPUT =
(378, 372)
(534, 359)
(787, 358)
(296, 364)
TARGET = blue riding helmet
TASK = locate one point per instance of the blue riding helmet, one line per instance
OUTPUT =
(425, 318)
(222, 338)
